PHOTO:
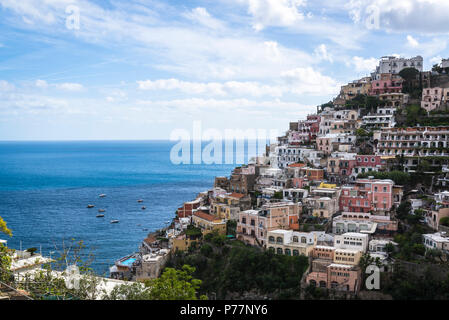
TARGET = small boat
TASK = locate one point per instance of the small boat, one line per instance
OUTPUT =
(102, 195)
(145, 229)
(90, 206)
(101, 210)
(115, 221)
(143, 208)
(140, 201)
(100, 215)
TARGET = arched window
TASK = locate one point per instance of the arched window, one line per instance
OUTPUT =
(288, 252)
(279, 251)
(322, 284)
(295, 253)
(279, 240)
(303, 240)
(295, 239)
(271, 249)
(271, 239)
(312, 283)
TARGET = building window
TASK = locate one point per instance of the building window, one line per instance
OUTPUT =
(271, 239)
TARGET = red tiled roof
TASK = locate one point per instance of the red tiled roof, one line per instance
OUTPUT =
(205, 216)
(297, 165)
(237, 195)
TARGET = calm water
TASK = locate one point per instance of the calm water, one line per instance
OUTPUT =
(46, 186)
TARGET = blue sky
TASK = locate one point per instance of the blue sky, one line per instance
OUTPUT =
(140, 69)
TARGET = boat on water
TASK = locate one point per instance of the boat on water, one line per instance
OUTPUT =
(102, 195)
(90, 206)
(115, 221)
(100, 215)
(143, 208)
(140, 201)
(101, 210)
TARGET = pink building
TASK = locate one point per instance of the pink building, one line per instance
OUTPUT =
(367, 195)
(307, 130)
(338, 277)
(300, 182)
(387, 83)
(367, 163)
(253, 225)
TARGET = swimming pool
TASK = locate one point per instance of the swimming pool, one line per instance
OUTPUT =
(128, 262)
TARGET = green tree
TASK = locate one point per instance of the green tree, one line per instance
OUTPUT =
(171, 285)
(444, 221)
(4, 228)
(5, 255)
(278, 195)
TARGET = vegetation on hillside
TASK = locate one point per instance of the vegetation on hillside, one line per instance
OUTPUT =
(229, 267)
(399, 177)
(171, 285)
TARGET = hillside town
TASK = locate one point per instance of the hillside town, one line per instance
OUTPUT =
(339, 187)
(362, 183)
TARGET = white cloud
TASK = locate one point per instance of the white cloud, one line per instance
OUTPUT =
(363, 65)
(174, 47)
(294, 81)
(307, 80)
(436, 60)
(412, 41)
(203, 17)
(424, 16)
(212, 88)
(195, 105)
(41, 83)
(68, 86)
(322, 53)
(277, 13)
(6, 86)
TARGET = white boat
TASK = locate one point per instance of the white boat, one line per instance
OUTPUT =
(90, 206)
(100, 215)
(115, 221)
(102, 195)
(140, 201)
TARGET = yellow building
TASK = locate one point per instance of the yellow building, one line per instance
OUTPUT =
(347, 256)
(208, 223)
(182, 243)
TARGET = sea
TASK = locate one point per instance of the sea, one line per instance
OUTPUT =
(45, 188)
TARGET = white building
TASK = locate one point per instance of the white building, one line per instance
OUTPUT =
(341, 225)
(383, 118)
(438, 241)
(351, 240)
(295, 194)
(394, 65)
(378, 246)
